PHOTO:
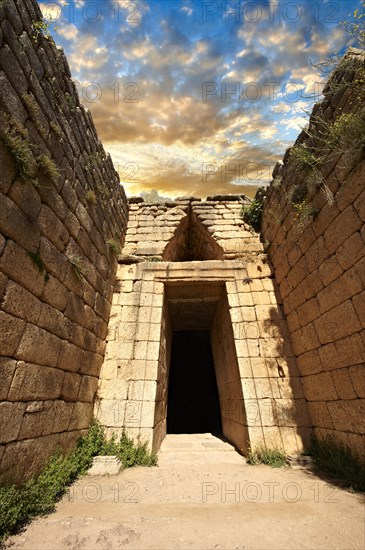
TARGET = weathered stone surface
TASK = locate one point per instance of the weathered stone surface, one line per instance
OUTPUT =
(7, 369)
(28, 349)
(21, 303)
(328, 328)
(105, 465)
(16, 225)
(21, 458)
(70, 386)
(11, 333)
(17, 264)
(31, 382)
(11, 415)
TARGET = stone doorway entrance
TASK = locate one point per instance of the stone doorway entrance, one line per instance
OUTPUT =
(201, 377)
(260, 395)
(193, 401)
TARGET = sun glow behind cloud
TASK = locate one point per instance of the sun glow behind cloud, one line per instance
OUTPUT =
(195, 97)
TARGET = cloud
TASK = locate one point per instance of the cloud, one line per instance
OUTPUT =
(187, 9)
(149, 75)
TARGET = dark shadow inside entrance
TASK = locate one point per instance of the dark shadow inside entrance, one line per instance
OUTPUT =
(193, 403)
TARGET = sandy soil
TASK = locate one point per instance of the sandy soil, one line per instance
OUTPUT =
(192, 505)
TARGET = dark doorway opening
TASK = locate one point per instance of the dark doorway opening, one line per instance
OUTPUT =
(193, 402)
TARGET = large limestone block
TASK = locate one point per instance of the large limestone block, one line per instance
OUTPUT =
(21, 303)
(113, 389)
(11, 333)
(81, 417)
(11, 415)
(45, 417)
(88, 388)
(35, 382)
(30, 350)
(21, 459)
(348, 416)
(357, 375)
(7, 369)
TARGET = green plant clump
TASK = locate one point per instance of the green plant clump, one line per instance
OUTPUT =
(303, 158)
(339, 461)
(77, 265)
(21, 153)
(271, 457)
(37, 260)
(114, 246)
(252, 214)
(350, 128)
(57, 129)
(91, 197)
(48, 167)
(40, 28)
(38, 495)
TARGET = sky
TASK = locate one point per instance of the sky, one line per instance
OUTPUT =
(198, 97)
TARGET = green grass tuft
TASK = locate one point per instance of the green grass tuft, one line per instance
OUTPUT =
(37, 260)
(114, 246)
(91, 197)
(252, 214)
(21, 153)
(77, 265)
(271, 457)
(303, 158)
(48, 167)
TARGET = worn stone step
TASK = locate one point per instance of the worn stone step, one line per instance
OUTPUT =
(197, 449)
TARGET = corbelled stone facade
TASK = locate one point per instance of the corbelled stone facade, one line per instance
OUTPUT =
(191, 229)
(184, 281)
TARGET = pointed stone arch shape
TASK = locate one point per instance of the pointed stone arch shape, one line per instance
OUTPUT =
(192, 241)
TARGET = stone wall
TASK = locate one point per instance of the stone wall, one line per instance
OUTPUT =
(314, 227)
(62, 212)
(236, 300)
(191, 229)
(231, 400)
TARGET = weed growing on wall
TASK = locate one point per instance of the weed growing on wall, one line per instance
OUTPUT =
(40, 29)
(20, 151)
(48, 167)
(37, 260)
(57, 129)
(35, 113)
(341, 140)
(38, 496)
(114, 246)
(77, 265)
(91, 197)
(252, 214)
(303, 158)
(27, 157)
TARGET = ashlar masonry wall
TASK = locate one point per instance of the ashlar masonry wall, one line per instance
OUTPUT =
(261, 398)
(319, 257)
(62, 209)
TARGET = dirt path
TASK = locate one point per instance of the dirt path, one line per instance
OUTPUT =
(201, 504)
